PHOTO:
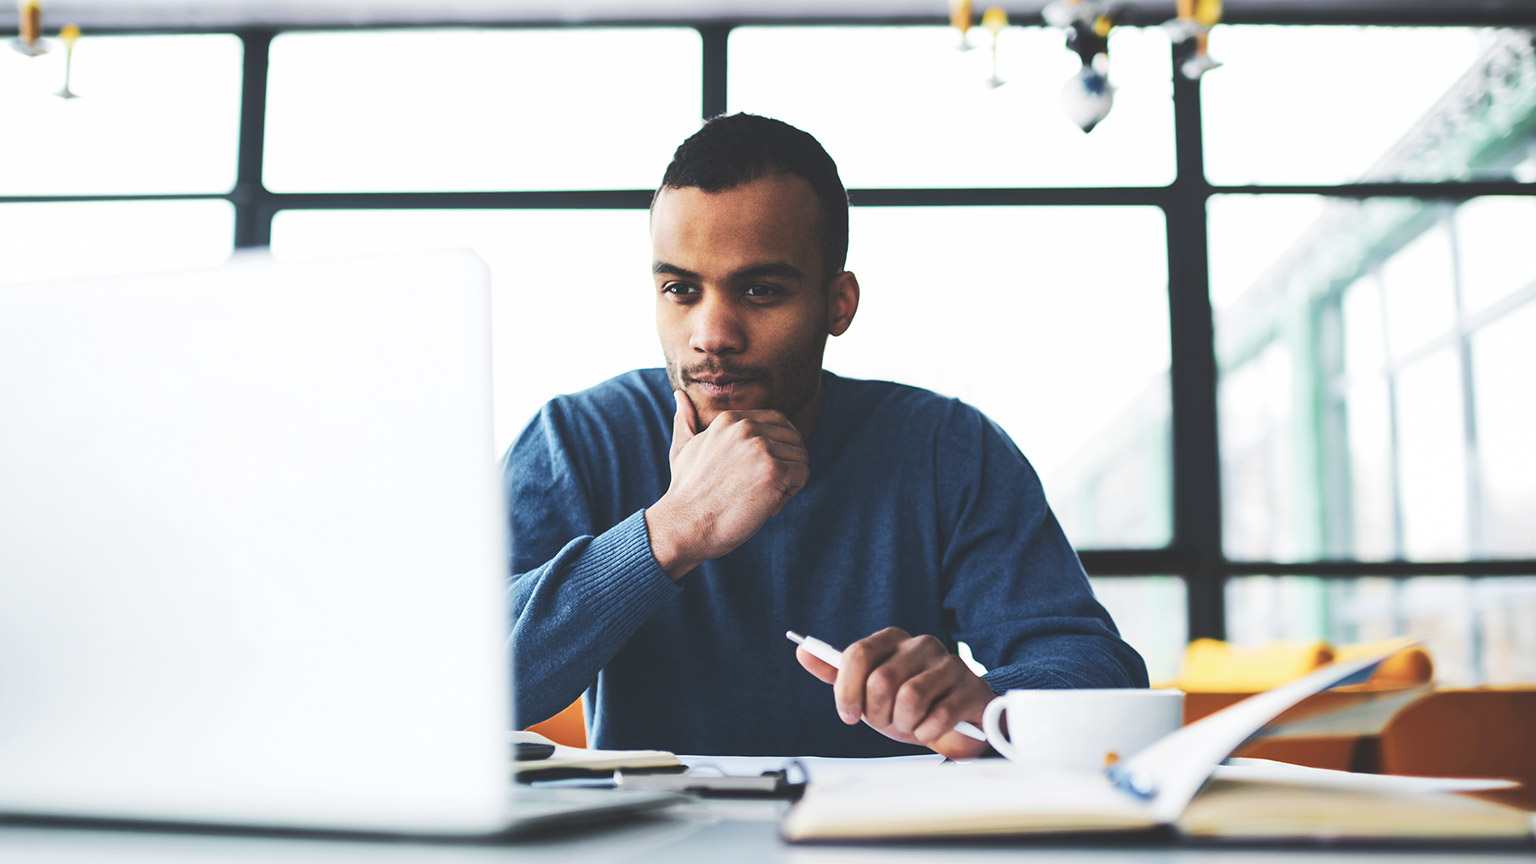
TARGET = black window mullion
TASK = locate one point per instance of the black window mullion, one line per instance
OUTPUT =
(1192, 372)
(716, 38)
(253, 211)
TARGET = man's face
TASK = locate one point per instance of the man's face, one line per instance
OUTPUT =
(742, 304)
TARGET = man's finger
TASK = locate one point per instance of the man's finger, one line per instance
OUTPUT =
(766, 424)
(859, 659)
(685, 423)
(888, 684)
(815, 665)
(787, 452)
(922, 699)
(954, 745)
(788, 492)
(796, 475)
(937, 731)
(762, 415)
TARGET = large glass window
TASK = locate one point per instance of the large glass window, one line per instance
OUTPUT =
(1151, 614)
(1372, 514)
(1006, 306)
(1392, 432)
(64, 240)
(1420, 291)
(424, 110)
(1097, 431)
(904, 107)
(1373, 355)
(1259, 490)
(1372, 103)
(1431, 458)
(571, 302)
(156, 115)
(1477, 631)
(1363, 400)
(1494, 236)
(1503, 360)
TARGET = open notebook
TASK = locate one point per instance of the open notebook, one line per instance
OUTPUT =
(1176, 784)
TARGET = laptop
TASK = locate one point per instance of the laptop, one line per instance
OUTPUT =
(252, 552)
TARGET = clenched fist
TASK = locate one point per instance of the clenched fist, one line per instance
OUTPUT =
(726, 482)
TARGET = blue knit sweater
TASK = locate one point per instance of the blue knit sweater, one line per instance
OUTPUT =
(919, 513)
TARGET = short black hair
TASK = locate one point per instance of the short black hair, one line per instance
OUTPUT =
(735, 149)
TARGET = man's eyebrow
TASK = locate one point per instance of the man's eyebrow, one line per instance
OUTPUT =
(769, 270)
(662, 268)
(766, 270)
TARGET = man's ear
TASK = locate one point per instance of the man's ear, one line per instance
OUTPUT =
(842, 302)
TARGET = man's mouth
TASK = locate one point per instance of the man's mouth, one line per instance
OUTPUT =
(723, 386)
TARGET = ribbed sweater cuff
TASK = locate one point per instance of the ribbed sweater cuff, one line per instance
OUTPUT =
(619, 577)
(1020, 677)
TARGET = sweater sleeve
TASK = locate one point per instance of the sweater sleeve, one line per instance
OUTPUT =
(1014, 588)
(578, 589)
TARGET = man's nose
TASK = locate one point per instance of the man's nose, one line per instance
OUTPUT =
(716, 326)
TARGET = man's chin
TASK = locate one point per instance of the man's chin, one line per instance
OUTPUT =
(709, 409)
(709, 406)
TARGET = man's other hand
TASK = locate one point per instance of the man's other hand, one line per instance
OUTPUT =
(909, 688)
(726, 481)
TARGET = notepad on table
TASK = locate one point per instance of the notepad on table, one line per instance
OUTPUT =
(580, 762)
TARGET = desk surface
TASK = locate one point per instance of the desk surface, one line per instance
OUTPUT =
(705, 830)
(737, 832)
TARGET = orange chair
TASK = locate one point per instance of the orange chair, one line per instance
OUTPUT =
(1479, 732)
(1213, 666)
(568, 727)
(1215, 675)
(1406, 668)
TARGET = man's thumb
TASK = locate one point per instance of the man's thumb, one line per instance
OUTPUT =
(685, 423)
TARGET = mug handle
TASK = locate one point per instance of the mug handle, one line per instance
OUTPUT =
(995, 736)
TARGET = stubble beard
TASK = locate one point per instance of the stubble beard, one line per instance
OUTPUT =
(789, 388)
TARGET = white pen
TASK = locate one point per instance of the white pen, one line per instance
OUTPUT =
(834, 658)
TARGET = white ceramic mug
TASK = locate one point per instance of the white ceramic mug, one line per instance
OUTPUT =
(1082, 730)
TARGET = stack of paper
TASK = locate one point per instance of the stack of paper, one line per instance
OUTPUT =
(578, 761)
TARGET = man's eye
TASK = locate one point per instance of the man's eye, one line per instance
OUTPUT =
(762, 291)
(681, 289)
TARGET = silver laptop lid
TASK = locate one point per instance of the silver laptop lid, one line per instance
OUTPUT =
(252, 546)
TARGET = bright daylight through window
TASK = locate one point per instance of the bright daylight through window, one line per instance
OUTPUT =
(1371, 395)
(1373, 351)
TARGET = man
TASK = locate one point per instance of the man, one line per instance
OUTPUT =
(668, 526)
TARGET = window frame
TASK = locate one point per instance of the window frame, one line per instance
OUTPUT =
(1195, 553)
